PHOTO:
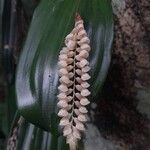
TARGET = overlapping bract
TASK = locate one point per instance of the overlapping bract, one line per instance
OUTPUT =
(73, 88)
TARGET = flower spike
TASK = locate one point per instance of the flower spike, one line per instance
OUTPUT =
(73, 88)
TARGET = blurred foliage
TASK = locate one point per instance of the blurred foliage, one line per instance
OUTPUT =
(3, 106)
(1, 10)
(9, 25)
(3, 119)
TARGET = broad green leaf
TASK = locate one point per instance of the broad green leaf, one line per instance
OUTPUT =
(29, 137)
(37, 75)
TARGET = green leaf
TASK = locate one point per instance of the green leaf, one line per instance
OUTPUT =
(29, 137)
(37, 76)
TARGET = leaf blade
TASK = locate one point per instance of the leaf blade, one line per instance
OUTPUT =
(37, 69)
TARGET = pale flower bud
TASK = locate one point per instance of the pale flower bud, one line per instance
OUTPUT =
(64, 121)
(82, 118)
(83, 63)
(85, 77)
(62, 113)
(84, 101)
(63, 88)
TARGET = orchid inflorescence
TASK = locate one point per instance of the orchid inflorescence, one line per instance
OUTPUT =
(73, 88)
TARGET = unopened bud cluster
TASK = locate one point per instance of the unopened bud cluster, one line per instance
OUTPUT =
(73, 88)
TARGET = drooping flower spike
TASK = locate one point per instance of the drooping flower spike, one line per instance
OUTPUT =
(73, 89)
